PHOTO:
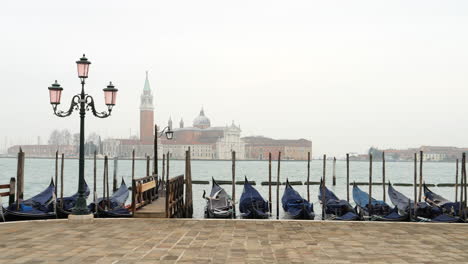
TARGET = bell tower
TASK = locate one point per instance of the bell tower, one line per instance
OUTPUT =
(146, 114)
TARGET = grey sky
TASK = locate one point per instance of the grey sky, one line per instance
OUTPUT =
(345, 74)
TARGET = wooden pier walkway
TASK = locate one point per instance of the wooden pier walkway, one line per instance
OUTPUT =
(122, 241)
(157, 209)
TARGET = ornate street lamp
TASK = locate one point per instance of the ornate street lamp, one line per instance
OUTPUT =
(82, 102)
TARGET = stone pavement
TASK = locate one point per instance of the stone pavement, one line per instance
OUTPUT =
(231, 241)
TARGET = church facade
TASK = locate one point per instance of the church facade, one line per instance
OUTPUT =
(205, 141)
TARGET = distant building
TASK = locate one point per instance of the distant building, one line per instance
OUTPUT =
(43, 150)
(430, 153)
(204, 140)
(146, 114)
(258, 148)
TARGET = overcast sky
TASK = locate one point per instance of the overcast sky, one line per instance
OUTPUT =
(345, 74)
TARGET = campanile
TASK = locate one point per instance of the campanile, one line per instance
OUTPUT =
(146, 114)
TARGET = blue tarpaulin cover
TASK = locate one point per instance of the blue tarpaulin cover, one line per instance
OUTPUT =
(334, 206)
(295, 205)
(251, 203)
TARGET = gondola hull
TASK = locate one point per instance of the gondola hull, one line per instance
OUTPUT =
(38, 207)
(251, 203)
(114, 207)
(11, 215)
(218, 204)
(336, 209)
(295, 206)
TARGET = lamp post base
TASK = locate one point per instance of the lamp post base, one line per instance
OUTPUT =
(81, 218)
(80, 207)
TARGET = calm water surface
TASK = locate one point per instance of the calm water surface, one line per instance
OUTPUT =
(38, 173)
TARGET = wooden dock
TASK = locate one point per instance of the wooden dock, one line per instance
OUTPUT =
(157, 209)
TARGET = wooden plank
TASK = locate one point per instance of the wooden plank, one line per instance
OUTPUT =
(147, 186)
(4, 186)
(5, 194)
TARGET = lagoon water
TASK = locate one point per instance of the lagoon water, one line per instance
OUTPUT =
(38, 173)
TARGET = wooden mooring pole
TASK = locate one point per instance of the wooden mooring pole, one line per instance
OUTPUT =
(278, 183)
(155, 162)
(347, 177)
(133, 164)
(56, 173)
(95, 183)
(420, 175)
(188, 186)
(415, 179)
(114, 181)
(269, 182)
(234, 184)
(308, 176)
(334, 171)
(61, 180)
(464, 185)
(323, 185)
(11, 198)
(167, 186)
(370, 185)
(383, 175)
(163, 174)
(461, 184)
(106, 173)
(456, 182)
(148, 165)
(20, 179)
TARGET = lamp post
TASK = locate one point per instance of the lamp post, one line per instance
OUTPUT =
(82, 102)
(169, 136)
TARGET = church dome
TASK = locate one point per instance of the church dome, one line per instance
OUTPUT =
(201, 121)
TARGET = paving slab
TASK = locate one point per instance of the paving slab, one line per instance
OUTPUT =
(231, 241)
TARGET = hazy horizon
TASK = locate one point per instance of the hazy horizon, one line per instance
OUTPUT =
(345, 75)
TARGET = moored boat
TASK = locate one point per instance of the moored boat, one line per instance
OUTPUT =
(219, 203)
(442, 210)
(115, 205)
(295, 206)
(336, 209)
(40, 206)
(377, 211)
(251, 203)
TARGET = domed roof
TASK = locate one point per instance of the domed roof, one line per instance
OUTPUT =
(201, 121)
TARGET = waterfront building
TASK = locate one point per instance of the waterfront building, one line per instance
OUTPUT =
(258, 148)
(430, 153)
(205, 141)
(43, 150)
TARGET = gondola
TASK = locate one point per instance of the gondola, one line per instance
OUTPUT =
(38, 207)
(113, 207)
(295, 206)
(65, 204)
(441, 209)
(336, 209)
(251, 203)
(380, 210)
(219, 203)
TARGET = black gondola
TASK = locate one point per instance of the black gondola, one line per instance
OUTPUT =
(380, 211)
(441, 209)
(336, 209)
(219, 203)
(38, 207)
(114, 206)
(65, 204)
(294, 205)
(251, 203)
